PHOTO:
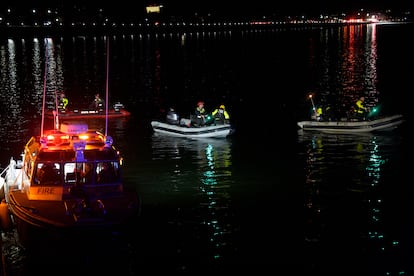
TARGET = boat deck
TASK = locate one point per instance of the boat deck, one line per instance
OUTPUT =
(72, 212)
(92, 114)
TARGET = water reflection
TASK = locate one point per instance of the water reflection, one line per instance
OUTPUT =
(344, 202)
(199, 174)
(347, 67)
(21, 96)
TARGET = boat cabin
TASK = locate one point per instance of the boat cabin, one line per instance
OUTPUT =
(71, 162)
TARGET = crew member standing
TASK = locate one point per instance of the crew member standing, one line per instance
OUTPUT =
(221, 116)
(98, 103)
(63, 102)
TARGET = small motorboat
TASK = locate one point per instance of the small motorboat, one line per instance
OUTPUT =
(208, 131)
(116, 111)
(369, 122)
(353, 125)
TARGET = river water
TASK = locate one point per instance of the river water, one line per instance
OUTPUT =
(269, 196)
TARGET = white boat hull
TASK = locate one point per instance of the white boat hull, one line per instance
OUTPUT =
(213, 131)
(384, 123)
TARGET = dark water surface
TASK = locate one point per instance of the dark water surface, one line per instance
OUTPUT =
(269, 197)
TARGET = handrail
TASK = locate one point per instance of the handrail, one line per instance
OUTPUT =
(4, 170)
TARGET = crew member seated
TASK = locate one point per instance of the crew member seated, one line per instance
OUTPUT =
(48, 174)
(324, 113)
(360, 111)
(199, 117)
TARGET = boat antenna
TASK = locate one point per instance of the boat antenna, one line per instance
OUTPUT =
(310, 96)
(44, 88)
(56, 112)
(107, 85)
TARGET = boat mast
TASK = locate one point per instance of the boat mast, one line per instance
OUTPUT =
(44, 88)
(107, 85)
(56, 112)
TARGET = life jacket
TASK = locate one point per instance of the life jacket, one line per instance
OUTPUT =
(200, 111)
(220, 115)
(359, 107)
(63, 103)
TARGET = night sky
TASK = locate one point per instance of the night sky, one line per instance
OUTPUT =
(281, 7)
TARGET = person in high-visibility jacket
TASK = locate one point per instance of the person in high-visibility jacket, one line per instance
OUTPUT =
(220, 115)
(360, 110)
(324, 113)
(200, 114)
(63, 102)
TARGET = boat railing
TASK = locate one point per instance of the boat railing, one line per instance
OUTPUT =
(3, 176)
(4, 171)
(11, 176)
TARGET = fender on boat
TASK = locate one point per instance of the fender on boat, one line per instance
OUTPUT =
(5, 217)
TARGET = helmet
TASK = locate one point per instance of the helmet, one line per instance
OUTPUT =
(200, 103)
(222, 106)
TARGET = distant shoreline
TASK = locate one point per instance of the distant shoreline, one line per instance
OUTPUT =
(169, 28)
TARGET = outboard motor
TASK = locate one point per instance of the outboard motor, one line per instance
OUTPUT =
(172, 117)
(118, 106)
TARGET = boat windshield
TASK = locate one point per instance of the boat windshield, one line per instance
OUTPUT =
(107, 172)
(90, 173)
(47, 173)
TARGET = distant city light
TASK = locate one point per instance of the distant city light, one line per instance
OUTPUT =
(153, 9)
(155, 16)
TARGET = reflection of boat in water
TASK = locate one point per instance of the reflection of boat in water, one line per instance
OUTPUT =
(350, 126)
(340, 169)
(306, 136)
(68, 180)
(199, 172)
(337, 139)
(209, 131)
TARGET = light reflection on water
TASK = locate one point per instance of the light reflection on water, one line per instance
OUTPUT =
(196, 196)
(344, 202)
(199, 171)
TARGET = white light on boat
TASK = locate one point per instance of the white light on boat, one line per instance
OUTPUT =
(74, 127)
